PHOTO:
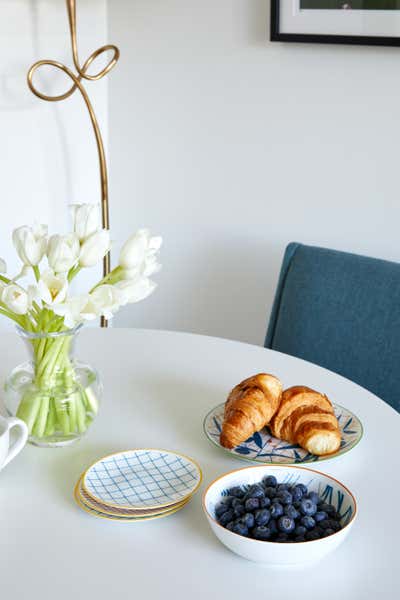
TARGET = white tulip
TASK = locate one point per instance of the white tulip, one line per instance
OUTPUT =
(135, 290)
(3, 266)
(15, 298)
(52, 289)
(94, 248)
(63, 252)
(137, 249)
(76, 309)
(30, 243)
(107, 299)
(86, 220)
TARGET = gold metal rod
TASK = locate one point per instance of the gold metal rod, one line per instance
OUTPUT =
(76, 79)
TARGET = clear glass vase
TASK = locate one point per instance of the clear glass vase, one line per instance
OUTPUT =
(56, 395)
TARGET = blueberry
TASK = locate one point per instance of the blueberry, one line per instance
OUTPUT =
(226, 517)
(308, 507)
(237, 492)
(261, 532)
(301, 487)
(320, 516)
(297, 504)
(335, 525)
(307, 522)
(283, 487)
(286, 524)
(285, 497)
(262, 516)
(236, 502)
(312, 535)
(252, 504)
(325, 524)
(239, 510)
(328, 508)
(270, 492)
(291, 512)
(328, 532)
(229, 525)
(255, 491)
(276, 510)
(282, 537)
(264, 502)
(270, 481)
(240, 528)
(300, 530)
(297, 493)
(220, 510)
(313, 496)
(299, 538)
(273, 526)
(248, 520)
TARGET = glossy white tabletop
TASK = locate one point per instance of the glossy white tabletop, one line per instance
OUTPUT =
(158, 387)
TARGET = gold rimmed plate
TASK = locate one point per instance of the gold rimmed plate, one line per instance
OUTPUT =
(124, 512)
(142, 479)
(81, 502)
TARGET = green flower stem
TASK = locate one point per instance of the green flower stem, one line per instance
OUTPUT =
(56, 401)
(51, 419)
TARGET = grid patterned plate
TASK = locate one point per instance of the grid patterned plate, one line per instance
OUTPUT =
(142, 478)
(262, 447)
(125, 519)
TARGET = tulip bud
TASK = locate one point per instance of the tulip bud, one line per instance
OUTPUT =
(30, 243)
(138, 254)
(3, 266)
(63, 252)
(15, 298)
(94, 248)
(86, 220)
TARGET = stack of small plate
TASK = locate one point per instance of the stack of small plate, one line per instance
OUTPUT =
(138, 485)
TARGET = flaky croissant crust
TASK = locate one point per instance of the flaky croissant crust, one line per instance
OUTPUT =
(249, 407)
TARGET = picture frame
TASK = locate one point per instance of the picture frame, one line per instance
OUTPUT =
(300, 20)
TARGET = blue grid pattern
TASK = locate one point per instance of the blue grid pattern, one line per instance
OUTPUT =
(142, 478)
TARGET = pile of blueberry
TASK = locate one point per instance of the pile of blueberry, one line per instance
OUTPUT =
(277, 512)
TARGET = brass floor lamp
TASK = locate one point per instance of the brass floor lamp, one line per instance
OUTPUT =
(76, 78)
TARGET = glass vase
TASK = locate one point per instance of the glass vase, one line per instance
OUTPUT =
(56, 395)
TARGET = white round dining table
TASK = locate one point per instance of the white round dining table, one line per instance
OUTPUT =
(158, 386)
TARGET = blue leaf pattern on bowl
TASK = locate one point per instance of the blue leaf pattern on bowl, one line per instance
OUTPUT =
(262, 447)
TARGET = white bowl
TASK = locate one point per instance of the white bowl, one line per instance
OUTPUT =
(274, 553)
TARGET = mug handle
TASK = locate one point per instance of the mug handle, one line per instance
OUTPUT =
(20, 441)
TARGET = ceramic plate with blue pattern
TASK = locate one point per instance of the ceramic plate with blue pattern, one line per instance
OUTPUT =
(262, 447)
(142, 478)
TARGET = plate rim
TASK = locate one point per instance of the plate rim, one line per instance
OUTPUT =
(121, 518)
(109, 509)
(188, 458)
(315, 461)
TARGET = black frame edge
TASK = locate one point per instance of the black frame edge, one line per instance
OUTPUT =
(305, 38)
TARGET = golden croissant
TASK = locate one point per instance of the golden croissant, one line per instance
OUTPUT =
(249, 407)
(306, 417)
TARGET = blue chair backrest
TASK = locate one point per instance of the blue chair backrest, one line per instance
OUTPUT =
(340, 311)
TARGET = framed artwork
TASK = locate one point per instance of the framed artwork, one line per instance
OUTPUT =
(372, 22)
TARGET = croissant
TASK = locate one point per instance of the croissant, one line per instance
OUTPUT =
(249, 407)
(306, 417)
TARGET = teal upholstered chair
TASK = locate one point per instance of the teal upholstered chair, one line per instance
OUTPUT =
(340, 311)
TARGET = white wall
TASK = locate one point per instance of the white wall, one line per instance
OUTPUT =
(48, 156)
(232, 146)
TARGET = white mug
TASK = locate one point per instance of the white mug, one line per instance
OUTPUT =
(7, 452)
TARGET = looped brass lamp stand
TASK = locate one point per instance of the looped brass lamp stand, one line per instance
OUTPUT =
(77, 84)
